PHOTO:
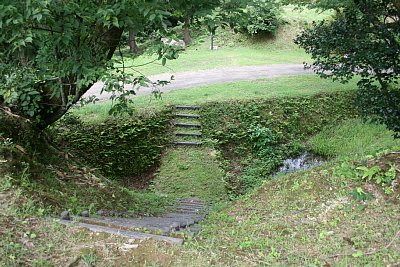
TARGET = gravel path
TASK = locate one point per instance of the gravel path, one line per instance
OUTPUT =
(190, 79)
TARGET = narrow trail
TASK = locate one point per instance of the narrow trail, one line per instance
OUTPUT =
(190, 79)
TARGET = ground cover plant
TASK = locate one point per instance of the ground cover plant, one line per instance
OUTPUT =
(47, 180)
(255, 136)
(329, 210)
(120, 147)
(191, 172)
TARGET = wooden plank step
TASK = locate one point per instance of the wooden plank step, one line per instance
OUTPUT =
(188, 143)
(187, 116)
(189, 134)
(188, 125)
(187, 107)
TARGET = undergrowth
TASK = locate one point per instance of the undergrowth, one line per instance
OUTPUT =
(255, 136)
(352, 139)
(47, 180)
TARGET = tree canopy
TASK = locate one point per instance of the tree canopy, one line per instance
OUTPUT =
(53, 51)
(363, 39)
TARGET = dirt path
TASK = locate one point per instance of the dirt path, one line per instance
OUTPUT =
(191, 79)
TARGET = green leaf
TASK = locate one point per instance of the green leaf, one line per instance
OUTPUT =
(357, 254)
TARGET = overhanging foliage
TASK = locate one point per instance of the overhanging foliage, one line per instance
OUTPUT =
(53, 51)
(363, 40)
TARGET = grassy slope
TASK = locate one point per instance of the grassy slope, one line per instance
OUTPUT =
(305, 218)
(352, 139)
(190, 172)
(308, 218)
(264, 88)
(235, 49)
(39, 190)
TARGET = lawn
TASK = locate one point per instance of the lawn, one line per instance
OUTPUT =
(264, 88)
(234, 49)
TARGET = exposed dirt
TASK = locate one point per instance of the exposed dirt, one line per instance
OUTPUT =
(141, 182)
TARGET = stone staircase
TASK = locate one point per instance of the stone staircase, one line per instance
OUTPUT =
(187, 126)
(183, 217)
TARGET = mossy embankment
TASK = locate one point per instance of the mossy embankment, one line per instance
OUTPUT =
(121, 147)
(47, 179)
(255, 136)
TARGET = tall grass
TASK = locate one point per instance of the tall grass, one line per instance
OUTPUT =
(353, 138)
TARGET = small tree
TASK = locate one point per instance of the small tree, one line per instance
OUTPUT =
(189, 10)
(364, 40)
(213, 21)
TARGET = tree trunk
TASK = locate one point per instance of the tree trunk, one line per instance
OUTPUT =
(132, 41)
(58, 106)
(186, 31)
(212, 41)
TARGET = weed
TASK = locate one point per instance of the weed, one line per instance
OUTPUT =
(90, 258)
(6, 183)
(383, 176)
(359, 195)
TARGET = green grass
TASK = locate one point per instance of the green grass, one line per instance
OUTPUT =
(234, 49)
(303, 219)
(309, 218)
(46, 180)
(304, 16)
(264, 88)
(190, 172)
(201, 58)
(353, 139)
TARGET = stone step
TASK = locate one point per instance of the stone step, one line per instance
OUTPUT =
(188, 125)
(189, 134)
(187, 107)
(190, 116)
(124, 233)
(188, 143)
(186, 213)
